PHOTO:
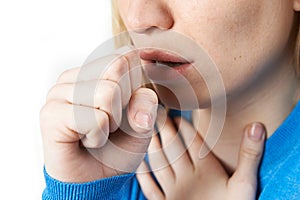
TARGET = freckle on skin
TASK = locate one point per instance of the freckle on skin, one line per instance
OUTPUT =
(235, 58)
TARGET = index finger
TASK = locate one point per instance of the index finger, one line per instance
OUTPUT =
(135, 67)
(114, 68)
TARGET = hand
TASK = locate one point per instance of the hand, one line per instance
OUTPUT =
(81, 132)
(189, 177)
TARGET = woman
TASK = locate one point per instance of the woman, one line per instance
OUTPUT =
(255, 45)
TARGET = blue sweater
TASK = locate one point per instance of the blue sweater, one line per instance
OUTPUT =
(279, 174)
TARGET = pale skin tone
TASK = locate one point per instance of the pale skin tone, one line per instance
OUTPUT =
(247, 31)
(234, 24)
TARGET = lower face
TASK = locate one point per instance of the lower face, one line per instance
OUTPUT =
(240, 36)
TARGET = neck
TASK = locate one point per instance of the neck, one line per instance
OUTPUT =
(268, 101)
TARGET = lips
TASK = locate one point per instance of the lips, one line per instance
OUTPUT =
(163, 58)
(162, 65)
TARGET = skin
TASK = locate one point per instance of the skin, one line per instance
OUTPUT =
(246, 31)
(252, 33)
(189, 177)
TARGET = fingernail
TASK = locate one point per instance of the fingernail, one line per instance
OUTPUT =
(143, 120)
(257, 132)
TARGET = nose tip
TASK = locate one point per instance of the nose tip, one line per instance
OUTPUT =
(143, 16)
(137, 24)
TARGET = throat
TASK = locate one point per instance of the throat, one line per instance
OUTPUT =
(270, 110)
(227, 153)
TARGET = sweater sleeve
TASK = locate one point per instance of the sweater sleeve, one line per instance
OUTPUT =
(117, 187)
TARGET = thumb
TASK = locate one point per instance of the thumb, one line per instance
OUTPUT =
(142, 111)
(126, 148)
(251, 150)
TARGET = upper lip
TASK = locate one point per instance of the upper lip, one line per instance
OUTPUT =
(161, 56)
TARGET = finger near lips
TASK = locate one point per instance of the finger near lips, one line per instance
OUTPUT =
(90, 89)
(123, 69)
(97, 68)
(92, 70)
(135, 68)
(119, 73)
(113, 67)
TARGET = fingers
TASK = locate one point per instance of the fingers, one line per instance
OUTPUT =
(120, 74)
(130, 142)
(207, 165)
(249, 158)
(190, 137)
(136, 75)
(104, 84)
(95, 69)
(173, 147)
(95, 131)
(114, 68)
(69, 76)
(160, 165)
(135, 69)
(100, 94)
(142, 110)
(74, 125)
(148, 185)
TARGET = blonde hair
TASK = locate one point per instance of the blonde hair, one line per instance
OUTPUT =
(118, 27)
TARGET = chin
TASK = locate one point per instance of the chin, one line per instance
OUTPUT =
(183, 101)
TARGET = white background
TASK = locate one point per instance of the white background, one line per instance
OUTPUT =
(38, 40)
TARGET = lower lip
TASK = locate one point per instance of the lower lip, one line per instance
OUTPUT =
(162, 72)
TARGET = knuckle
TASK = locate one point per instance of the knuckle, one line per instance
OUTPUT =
(148, 94)
(96, 143)
(250, 153)
(62, 78)
(48, 110)
(44, 112)
(102, 120)
(46, 116)
(120, 66)
(51, 92)
(150, 194)
(106, 90)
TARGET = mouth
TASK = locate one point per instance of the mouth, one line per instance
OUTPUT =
(168, 59)
(164, 66)
(168, 63)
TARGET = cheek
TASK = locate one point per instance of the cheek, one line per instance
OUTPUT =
(241, 35)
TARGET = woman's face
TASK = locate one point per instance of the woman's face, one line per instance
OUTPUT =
(241, 36)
